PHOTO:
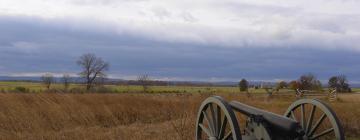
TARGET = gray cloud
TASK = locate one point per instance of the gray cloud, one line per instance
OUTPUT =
(161, 12)
(227, 23)
(29, 45)
(100, 2)
(188, 17)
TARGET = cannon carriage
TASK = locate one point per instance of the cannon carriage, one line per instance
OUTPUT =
(305, 119)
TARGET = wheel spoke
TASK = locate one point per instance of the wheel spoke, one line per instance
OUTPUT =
(303, 115)
(211, 126)
(293, 115)
(214, 120)
(223, 127)
(312, 131)
(310, 120)
(323, 133)
(316, 119)
(205, 130)
(218, 120)
(227, 136)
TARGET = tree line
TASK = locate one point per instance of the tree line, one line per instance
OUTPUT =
(306, 82)
(93, 72)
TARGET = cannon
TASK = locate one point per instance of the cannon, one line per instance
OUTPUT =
(305, 119)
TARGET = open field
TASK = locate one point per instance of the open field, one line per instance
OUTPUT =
(32, 87)
(131, 116)
(39, 88)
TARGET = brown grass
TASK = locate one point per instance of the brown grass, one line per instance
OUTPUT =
(129, 117)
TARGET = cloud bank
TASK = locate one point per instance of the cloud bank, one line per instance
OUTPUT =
(204, 39)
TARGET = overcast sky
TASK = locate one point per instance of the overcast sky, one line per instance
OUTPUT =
(217, 40)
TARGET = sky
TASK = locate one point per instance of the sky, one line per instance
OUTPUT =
(202, 40)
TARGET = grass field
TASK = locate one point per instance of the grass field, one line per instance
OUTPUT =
(131, 116)
(32, 87)
(38, 88)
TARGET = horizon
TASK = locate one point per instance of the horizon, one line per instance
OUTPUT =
(183, 40)
(324, 82)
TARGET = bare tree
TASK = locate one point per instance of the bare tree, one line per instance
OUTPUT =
(333, 82)
(294, 85)
(47, 79)
(309, 82)
(281, 85)
(144, 81)
(93, 68)
(66, 80)
(339, 83)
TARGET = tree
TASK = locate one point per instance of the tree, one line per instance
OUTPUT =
(340, 83)
(344, 85)
(333, 82)
(66, 80)
(93, 68)
(144, 81)
(281, 85)
(309, 82)
(243, 85)
(47, 79)
(294, 85)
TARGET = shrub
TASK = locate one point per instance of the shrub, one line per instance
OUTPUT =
(21, 89)
(77, 90)
(101, 89)
(243, 85)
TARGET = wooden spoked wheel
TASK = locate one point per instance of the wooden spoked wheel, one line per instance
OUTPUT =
(317, 119)
(216, 121)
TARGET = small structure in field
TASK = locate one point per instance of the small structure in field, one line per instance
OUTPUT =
(332, 94)
(299, 93)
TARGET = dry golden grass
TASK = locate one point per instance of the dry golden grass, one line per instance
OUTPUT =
(129, 116)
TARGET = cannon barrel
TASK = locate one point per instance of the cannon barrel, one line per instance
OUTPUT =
(275, 120)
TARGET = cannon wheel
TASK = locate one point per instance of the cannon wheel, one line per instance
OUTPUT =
(336, 130)
(217, 121)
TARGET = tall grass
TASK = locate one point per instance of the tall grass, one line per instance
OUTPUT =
(129, 116)
(32, 87)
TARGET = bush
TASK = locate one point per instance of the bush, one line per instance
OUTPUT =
(77, 90)
(54, 90)
(21, 89)
(101, 89)
(243, 85)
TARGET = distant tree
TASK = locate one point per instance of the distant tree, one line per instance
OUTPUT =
(93, 67)
(333, 82)
(309, 82)
(344, 85)
(66, 80)
(144, 81)
(281, 85)
(318, 86)
(100, 81)
(243, 85)
(47, 79)
(340, 83)
(294, 85)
